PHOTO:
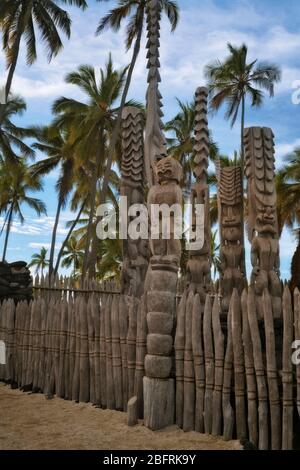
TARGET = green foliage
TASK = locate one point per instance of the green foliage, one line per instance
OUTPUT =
(39, 260)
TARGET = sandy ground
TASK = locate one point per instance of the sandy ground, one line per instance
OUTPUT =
(29, 421)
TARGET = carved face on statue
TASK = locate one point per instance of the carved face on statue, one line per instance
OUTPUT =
(168, 170)
(266, 220)
(231, 222)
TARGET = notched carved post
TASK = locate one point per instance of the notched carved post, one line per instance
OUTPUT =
(232, 252)
(155, 142)
(135, 252)
(199, 264)
(135, 257)
(262, 219)
(190, 373)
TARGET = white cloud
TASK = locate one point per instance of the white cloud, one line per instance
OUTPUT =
(201, 36)
(285, 148)
(43, 245)
(36, 89)
(35, 227)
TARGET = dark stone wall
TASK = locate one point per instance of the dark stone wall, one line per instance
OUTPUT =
(15, 281)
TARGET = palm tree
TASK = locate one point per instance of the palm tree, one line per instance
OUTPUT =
(73, 255)
(288, 205)
(79, 203)
(20, 19)
(180, 146)
(12, 136)
(60, 150)
(135, 12)
(295, 265)
(230, 82)
(92, 123)
(110, 255)
(288, 192)
(39, 260)
(16, 181)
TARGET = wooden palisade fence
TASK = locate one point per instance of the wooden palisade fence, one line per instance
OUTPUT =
(232, 380)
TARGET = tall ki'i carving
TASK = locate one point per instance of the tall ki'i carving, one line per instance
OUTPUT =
(191, 309)
(230, 210)
(199, 263)
(135, 252)
(155, 142)
(262, 218)
(163, 177)
(159, 400)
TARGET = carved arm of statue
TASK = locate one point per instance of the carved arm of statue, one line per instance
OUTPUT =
(223, 263)
(254, 253)
(243, 265)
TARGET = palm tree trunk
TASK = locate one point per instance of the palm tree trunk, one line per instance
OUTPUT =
(10, 75)
(68, 236)
(8, 231)
(4, 223)
(117, 126)
(242, 132)
(242, 165)
(58, 211)
(92, 211)
(90, 226)
(93, 258)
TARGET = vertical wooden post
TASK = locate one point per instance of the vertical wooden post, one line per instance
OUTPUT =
(84, 366)
(10, 340)
(199, 366)
(68, 346)
(116, 353)
(18, 341)
(209, 364)
(239, 369)
(250, 373)
(263, 441)
(63, 325)
(96, 312)
(159, 396)
(123, 322)
(189, 374)
(76, 373)
(110, 396)
(103, 390)
(36, 345)
(141, 350)
(228, 414)
(25, 346)
(219, 368)
(272, 372)
(91, 348)
(28, 375)
(44, 344)
(133, 305)
(72, 352)
(287, 371)
(179, 358)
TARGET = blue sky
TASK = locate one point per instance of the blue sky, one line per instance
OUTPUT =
(271, 29)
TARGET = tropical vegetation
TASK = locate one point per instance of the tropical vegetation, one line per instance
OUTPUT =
(81, 145)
